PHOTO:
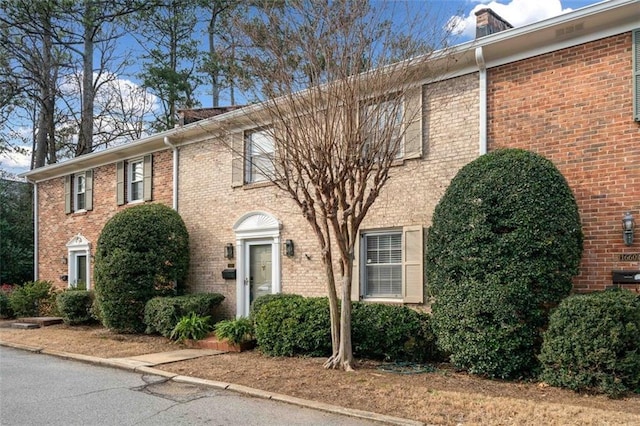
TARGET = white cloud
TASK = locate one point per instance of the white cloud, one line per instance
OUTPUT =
(516, 12)
(16, 162)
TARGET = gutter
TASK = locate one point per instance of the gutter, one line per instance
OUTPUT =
(482, 107)
(174, 149)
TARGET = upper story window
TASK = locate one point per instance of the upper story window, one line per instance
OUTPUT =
(381, 124)
(78, 192)
(136, 177)
(259, 166)
(134, 180)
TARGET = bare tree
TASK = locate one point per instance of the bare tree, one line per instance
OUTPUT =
(338, 110)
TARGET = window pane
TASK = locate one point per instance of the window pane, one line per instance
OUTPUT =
(383, 265)
(136, 190)
(79, 184)
(137, 172)
(260, 150)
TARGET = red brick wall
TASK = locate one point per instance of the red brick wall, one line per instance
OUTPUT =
(574, 106)
(55, 228)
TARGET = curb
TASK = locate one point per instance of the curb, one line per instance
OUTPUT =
(245, 390)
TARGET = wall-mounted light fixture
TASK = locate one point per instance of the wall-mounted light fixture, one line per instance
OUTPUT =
(63, 259)
(228, 251)
(627, 228)
(288, 248)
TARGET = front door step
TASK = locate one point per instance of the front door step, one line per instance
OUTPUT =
(41, 321)
(24, 325)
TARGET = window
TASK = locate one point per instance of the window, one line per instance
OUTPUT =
(133, 180)
(259, 155)
(383, 265)
(381, 122)
(136, 178)
(387, 265)
(78, 192)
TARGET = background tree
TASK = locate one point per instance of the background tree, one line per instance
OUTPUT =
(16, 231)
(334, 143)
(171, 60)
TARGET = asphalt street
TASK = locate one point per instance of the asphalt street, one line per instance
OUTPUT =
(37, 389)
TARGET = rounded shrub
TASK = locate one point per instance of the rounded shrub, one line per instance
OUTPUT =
(142, 252)
(293, 325)
(32, 299)
(161, 314)
(593, 343)
(505, 242)
(75, 306)
(392, 333)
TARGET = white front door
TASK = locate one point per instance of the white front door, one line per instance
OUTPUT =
(259, 271)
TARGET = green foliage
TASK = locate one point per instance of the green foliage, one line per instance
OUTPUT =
(16, 228)
(192, 326)
(32, 299)
(505, 242)
(236, 331)
(593, 343)
(161, 314)
(259, 302)
(142, 252)
(5, 306)
(75, 306)
(293, 325)
(394, 333)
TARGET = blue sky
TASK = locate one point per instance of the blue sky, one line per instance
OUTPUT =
(516, 12)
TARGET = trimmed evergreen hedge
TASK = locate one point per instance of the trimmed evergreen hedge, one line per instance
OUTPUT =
(75, 306)
(142, 252)
(505, 242)
(291, 325)
(162, 314)
(593, 343)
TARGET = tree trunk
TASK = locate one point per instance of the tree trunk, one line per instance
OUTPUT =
(85, 137)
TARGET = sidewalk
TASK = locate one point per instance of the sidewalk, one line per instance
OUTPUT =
(145, 364)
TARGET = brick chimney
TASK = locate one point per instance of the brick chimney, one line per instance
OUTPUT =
(488, 22)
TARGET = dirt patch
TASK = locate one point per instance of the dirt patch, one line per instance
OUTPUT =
(439, 397)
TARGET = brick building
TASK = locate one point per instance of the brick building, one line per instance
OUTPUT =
(561, 87)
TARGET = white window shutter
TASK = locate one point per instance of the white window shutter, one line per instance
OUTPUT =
(636, 74)
(120, 183)
(88, 190)
(147, 168)
(67, 194)
(237, 162)
(355, 270)
(412, 258)
(413, 123)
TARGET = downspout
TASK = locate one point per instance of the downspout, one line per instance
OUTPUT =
(35, 230)
(175, 171)
(482, 68)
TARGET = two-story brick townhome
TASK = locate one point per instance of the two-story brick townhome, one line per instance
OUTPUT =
(563, 87)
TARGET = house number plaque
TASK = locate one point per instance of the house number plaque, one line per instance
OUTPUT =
(630, 257)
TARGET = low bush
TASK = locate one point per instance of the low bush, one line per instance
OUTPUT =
(394, 333)
(5, 306)
(236, 331)
(293, 325)
(192, 326)
(75, 306)
(32, 299)
(161, 314)
(262, 300)
(593, 343)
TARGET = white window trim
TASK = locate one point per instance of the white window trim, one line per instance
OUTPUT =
(130, 180)
(76, 193)
(78, 246)
(363, 265)
(259, 177)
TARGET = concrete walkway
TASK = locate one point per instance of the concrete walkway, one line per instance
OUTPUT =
(144, 364)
